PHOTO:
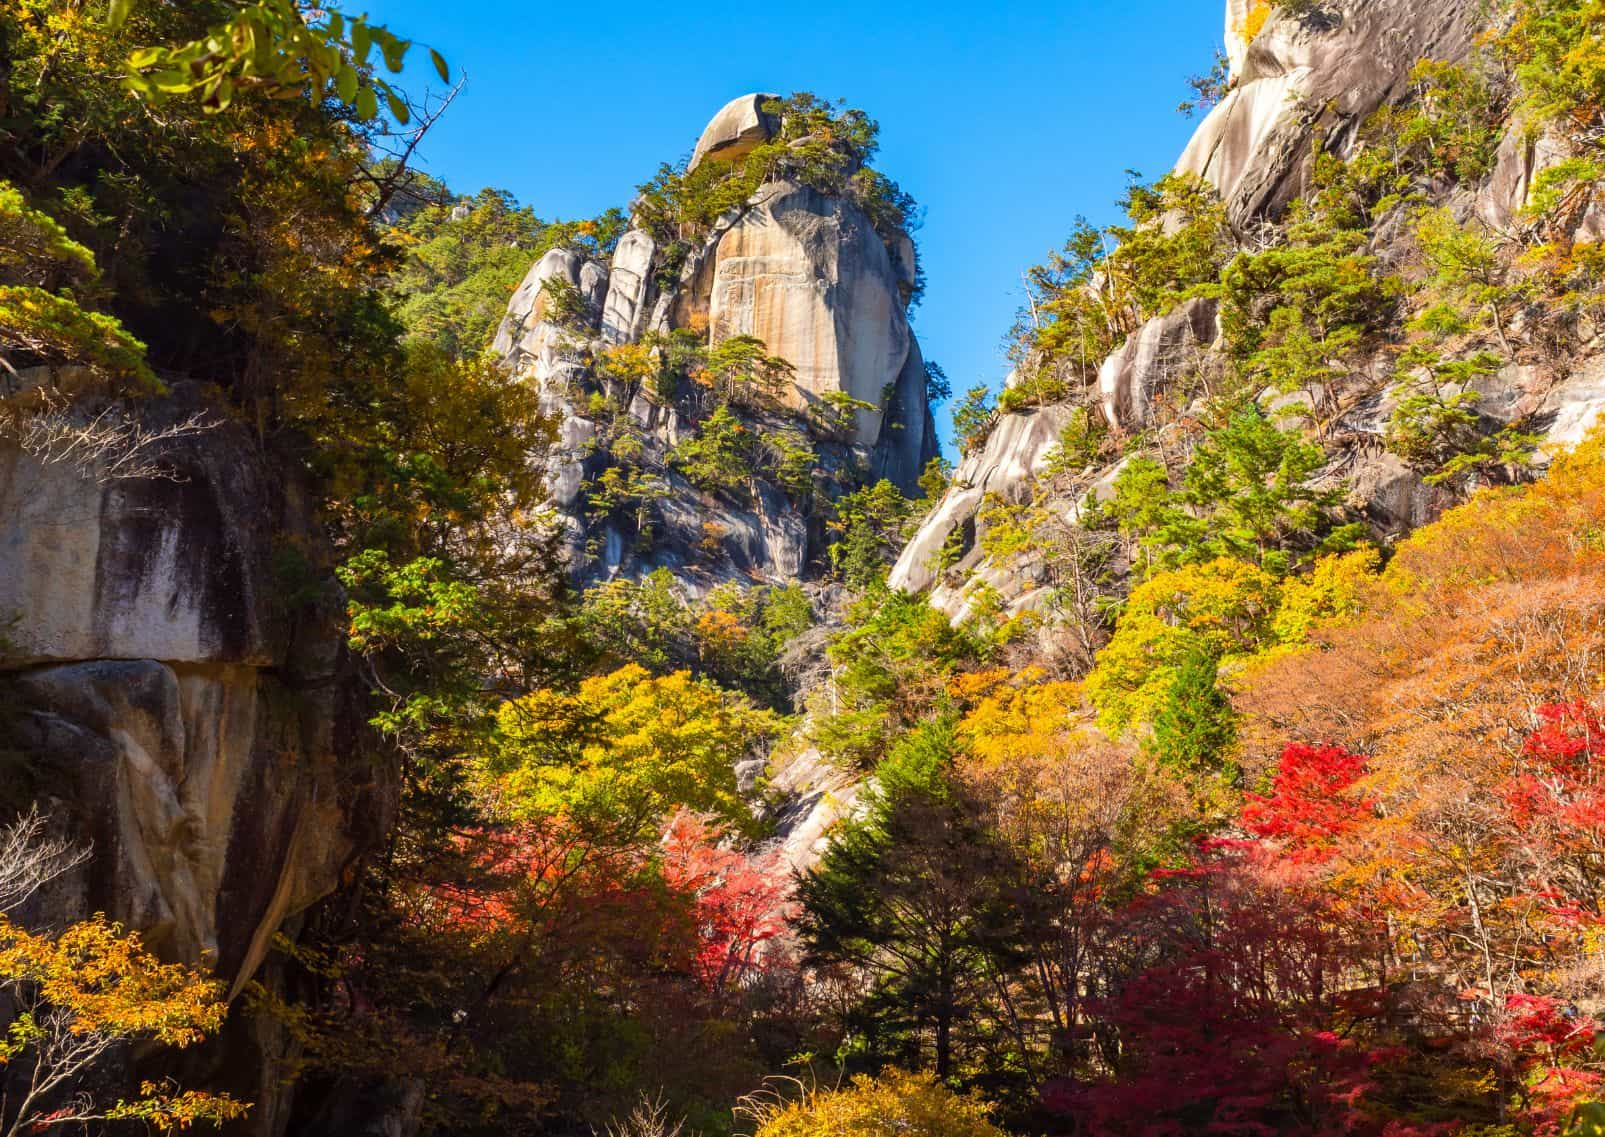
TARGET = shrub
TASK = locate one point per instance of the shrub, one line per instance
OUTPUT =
(896, 1104)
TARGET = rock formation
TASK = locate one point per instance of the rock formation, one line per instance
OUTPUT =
(802, 271)
(180, 698)
(741, 125)
(203, 721)
(1297, 79)
(1316, 75)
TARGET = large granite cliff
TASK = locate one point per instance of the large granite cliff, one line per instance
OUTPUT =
(1304, 83)
(176, 692)
(803, 271)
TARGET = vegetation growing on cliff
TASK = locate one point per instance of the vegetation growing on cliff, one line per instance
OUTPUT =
(825, 146)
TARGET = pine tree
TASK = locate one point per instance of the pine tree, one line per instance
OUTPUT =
(1195, 728)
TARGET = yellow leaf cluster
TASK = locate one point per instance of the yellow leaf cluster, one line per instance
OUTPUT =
(1254, 23)
(106, 980)
(628, 746)
(1021, 720)
(896, 1104)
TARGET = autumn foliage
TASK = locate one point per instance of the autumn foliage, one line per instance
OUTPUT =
(1399, 932)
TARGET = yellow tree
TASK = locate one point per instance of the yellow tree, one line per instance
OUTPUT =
(74, 998)
(630, 747)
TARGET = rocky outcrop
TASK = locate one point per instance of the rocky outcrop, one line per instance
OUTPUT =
(1162, 350)
(741, 126)
(174, 677)
(1016, 451)
(625, 310)
(1574, 407)
(908, 440)
(804, 272)
(809, 276)
(1321, 73)
(816, 794)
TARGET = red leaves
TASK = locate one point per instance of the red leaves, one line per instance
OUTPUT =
(1276, 994)
(1555, 812)
(543, 881)
(742, 903)
(1310, 808)
(1570, 737)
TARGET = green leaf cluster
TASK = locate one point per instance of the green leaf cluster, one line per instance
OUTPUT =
(279, 49)
(1246, 493)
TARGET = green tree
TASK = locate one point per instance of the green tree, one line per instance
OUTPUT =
(868, 530)
(462, 260)
(1554, 47)
(714, 458)
(973, 418)
(889, 667)
(1247, 493)
(902, 900)
(1194, 728)
(45, 279)
(741, 370)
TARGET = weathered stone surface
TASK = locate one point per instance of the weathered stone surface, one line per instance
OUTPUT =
(197, 727)
(152, 568)
(809, 276)
(1519, 161)
(768, 540)
(1014, 453)
(1159, 352)
(593, 286)
(1395, 498)
(551, 357)
(908, 439)
(214, 797)
(740, 126)
(625, 310)
(1321, 73)
(817, 794)
(802, 271)
(906, 260)
(533, 345)
(1574, 407)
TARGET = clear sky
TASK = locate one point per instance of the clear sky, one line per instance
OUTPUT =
(1004, 121)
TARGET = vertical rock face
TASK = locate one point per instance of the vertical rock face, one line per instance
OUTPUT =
(624, 312)
(1320, 73)
(809, 276)
(1015, 452)
(804, 272)
(202, 732)
(908, 440)
(1160, 350)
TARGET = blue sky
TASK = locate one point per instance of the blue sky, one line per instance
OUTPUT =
(1004, 121)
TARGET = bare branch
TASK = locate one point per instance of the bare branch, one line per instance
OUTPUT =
(110, 446)
(401, 145)
(30, 859)
(649, 1118)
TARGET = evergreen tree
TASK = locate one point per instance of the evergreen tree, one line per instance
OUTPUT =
(1195, 728)
(905, 901)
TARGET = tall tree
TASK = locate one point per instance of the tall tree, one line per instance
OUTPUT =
(905, 901)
